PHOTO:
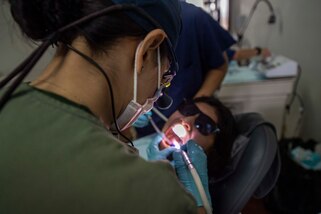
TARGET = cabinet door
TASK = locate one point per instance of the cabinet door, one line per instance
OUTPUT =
(270, 107)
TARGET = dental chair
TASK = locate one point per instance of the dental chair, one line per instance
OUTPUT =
(254, 168)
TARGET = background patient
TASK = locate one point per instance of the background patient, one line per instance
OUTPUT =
(211, 124)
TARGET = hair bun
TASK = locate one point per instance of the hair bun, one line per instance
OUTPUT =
(40, 18)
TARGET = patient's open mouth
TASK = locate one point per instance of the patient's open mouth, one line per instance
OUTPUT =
(170, 134)
(177, 135)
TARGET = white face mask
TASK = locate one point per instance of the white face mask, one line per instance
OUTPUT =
(134, 109)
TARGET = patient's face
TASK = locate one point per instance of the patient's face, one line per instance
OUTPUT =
(205, 141)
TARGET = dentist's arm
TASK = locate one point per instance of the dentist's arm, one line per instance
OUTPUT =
(243, 54)
(213, 79)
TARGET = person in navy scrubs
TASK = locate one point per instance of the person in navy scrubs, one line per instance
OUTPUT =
(201, 57)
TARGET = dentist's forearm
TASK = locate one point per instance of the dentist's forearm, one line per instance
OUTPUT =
(213, 80)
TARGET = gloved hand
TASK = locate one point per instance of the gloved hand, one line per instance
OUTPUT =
(199, 161)
(153, 152)
(142, 120)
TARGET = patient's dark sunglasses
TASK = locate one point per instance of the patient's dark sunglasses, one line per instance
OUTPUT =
(204, 124)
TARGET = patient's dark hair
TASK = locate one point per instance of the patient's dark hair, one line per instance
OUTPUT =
(40, 18)
(219, 155)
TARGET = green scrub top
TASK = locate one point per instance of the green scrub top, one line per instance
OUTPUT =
(57, 157)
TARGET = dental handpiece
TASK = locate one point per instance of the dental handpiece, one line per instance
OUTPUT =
(198, 182)
(189, 165)
(188, 162)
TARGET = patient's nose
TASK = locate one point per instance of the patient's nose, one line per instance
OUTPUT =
(187, 125)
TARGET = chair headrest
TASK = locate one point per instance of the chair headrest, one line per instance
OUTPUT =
(246, 124)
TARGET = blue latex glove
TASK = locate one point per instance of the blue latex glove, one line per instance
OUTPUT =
(153, 152)
(142, 120)
(199, 160)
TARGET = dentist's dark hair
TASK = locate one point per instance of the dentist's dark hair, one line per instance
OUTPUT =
(38, 19)
(220, 154)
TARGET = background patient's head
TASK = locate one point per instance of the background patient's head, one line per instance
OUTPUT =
(210, 124)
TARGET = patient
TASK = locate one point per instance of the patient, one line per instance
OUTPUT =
(211, 124)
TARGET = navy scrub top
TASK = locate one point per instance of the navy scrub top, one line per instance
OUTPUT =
(200, 48)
